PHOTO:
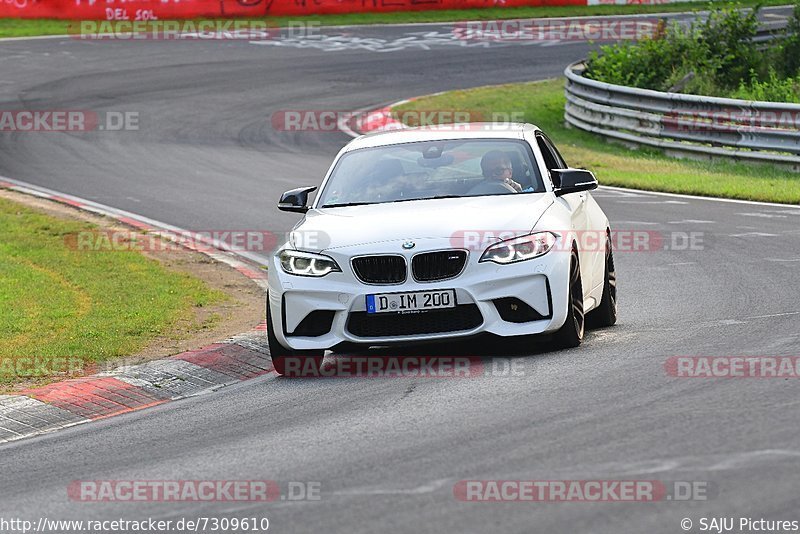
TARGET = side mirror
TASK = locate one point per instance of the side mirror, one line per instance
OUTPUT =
(568, 181)
(295, 200)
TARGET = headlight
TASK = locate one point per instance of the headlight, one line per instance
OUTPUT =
(306, 263)
(520, 248)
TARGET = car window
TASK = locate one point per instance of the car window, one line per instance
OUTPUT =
(431, 169)
(559, 159)
(552, 159)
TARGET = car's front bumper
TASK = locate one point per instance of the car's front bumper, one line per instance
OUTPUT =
(541, 283)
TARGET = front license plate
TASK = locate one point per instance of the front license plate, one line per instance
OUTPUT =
(412, 301)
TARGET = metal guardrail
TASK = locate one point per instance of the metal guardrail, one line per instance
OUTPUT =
(688, 125)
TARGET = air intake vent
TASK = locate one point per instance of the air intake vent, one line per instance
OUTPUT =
(315, 324)
(436, 266)
(462, 317)
(380, 269)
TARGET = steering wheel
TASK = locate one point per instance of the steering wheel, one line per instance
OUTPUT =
(491, 188)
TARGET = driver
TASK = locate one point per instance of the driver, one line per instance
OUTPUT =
(497, 171)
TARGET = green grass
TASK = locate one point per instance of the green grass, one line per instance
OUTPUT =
(542, 103)
(27, 27)
(58, 302)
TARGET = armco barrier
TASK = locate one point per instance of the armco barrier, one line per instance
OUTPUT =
(182, 9)
(687, 125)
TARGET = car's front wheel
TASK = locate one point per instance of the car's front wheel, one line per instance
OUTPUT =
(288, 362)
(606, 313)
(571, 334)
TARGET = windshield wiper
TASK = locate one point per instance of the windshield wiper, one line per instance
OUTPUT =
(427, 198)
(345, 204)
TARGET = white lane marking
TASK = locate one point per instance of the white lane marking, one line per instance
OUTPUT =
(712, 462)
(789, 212)
(650, 202)
(739, 460)
(762, 215)
(687, 464)
(430, 487)
(606, 193)
(34, 38)
(771, 315)
(721, 322)
(754, 234)
(415, 41)
(696, 197)
(744, 320)
(682, 263)
(555, 42)
(692, 221)
(782, 259)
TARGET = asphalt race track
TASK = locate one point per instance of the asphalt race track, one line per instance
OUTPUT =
(388, 452)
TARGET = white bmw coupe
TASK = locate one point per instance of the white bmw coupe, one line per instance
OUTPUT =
(438, 233)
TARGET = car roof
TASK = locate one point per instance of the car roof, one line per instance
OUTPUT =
(473, 130)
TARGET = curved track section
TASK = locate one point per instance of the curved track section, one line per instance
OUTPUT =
(389, 452)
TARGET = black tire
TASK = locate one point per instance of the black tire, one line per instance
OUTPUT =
(571, 334)
(288, 362)
(606, 313)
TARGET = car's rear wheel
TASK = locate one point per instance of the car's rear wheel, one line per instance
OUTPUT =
(606, 313)
(571, 334)
(288, 362)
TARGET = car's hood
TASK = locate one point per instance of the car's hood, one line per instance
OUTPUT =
(330, 228)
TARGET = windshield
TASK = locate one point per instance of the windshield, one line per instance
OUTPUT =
(432, 169)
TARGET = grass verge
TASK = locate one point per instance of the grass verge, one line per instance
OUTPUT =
(58, 303)
(543, 104)
(27, 27)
